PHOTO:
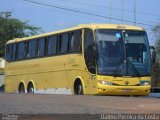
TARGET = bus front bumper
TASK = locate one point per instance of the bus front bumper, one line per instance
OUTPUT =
(123, 90)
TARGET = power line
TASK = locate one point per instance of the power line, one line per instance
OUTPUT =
(100, 6)
(119, 10)
(83, 12)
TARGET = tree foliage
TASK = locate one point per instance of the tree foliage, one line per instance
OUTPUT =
(156, 66)
(11, 28)
(156, 31)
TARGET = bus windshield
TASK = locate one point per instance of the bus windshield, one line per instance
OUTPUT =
(123, 53)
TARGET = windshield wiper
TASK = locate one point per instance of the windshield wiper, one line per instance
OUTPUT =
(125, 68)
(138, 73)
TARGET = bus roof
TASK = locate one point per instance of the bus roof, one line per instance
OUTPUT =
(91, 26)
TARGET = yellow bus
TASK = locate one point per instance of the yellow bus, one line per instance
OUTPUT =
(97, 59)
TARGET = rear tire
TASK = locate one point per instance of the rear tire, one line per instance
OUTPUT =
(30, 88)
(21, 88)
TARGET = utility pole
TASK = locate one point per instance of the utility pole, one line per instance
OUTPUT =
(110, 11)
(122, 10)
(135, 12)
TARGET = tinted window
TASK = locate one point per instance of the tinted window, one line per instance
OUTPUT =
(41, 47)
(20, 50)
(27, 49)
(52, 43)
(13, 52)
(88, 47)
(75, 41)
(63, 43)
(8, 52)
(32, 48)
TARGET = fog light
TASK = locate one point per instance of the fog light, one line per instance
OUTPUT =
(144, 83)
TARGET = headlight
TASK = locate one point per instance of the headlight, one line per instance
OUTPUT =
(105, 82)
(143, 83)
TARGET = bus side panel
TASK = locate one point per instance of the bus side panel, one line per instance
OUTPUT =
(8, 85)
(50, 74)
(58, 77)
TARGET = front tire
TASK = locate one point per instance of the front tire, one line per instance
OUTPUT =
(78, 89)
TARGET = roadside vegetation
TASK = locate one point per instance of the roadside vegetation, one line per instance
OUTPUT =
(11, 28)
(156, 65)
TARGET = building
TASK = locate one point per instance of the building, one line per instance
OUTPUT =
(2, 65)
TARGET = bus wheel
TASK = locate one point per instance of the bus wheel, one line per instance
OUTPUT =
(21, 88)
(78, 88)
(30, 88)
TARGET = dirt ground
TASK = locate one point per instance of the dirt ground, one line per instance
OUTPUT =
(57, 107)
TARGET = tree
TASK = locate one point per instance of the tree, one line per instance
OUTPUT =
(156, 66)
(156, 31)
(11, 28)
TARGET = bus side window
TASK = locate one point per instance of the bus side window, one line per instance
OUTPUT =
(88, 50)
(52, 45)
(13, 52)
(63, 43)
(20, 50)
(76, 41)
(27, 49)
(8, 52)
(41, 47)
(32, 48)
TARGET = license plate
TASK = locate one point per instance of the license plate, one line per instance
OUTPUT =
(126, 90)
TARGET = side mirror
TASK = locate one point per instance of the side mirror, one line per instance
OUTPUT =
(153, 54)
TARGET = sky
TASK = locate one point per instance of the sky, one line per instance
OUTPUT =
(52, 19)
